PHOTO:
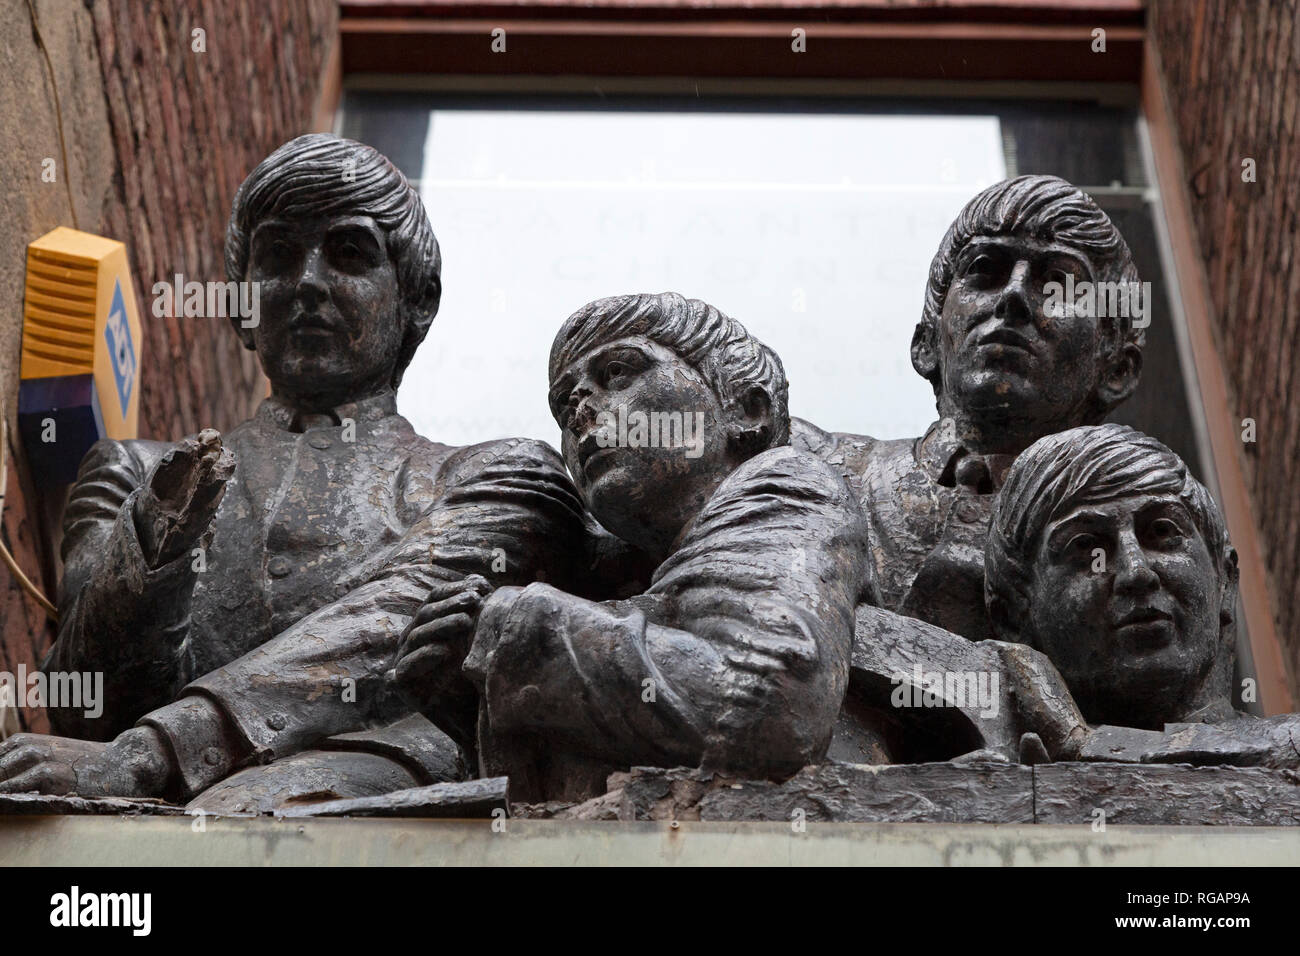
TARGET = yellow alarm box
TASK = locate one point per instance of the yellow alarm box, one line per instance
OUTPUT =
(80, 364)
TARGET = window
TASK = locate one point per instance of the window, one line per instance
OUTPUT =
(812, 221)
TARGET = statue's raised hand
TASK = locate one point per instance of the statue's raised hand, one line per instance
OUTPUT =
(181, 496)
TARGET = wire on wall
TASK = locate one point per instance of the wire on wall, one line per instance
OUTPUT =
(23, 580)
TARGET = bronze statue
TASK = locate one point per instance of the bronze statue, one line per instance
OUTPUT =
(1005, 372)
(1109, 557)
(322, 604)
(244, 594)
(736, 657)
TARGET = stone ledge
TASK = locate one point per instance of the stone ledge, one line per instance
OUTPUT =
(265, 841)
(470, 800)
(968, 790)
(1166, 794)
(35, 804)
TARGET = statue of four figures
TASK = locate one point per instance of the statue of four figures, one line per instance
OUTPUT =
(697, 579)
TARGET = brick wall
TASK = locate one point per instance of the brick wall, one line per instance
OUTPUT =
(1232, 76)
(175, 132)
(187, 127)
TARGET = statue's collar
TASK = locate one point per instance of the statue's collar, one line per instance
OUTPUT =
(289, 418)
(948, 462)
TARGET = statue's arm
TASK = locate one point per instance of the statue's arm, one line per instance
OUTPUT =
(117, 615)
(736, 657)
(506, 511)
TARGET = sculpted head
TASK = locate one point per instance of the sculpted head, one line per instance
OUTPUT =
(1107, 556)
(986, 342)
(659, 398)
(348, 268)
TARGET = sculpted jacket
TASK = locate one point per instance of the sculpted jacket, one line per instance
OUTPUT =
(929, 503)
(736, 657)
(324, 546)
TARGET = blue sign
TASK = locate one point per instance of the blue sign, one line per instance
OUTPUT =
(121, 350)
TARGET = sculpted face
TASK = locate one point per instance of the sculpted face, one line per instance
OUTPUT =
(997, 348)
(644, 436)
(1138, 637)
(330, 327)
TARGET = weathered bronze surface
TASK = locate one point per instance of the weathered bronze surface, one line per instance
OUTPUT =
(244, 594)
(1109, 557)
(736, 657)
(977, 789)
(920, 693)
(1004, 373)
(726, 613)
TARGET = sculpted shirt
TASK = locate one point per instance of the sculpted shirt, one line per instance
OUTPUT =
(929, 503)
(736, 656)
(327, 540)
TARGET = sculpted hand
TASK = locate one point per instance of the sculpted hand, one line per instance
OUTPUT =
(181, 496)
(1054, 728)
(432, 650)
(437, 639)
(136, 764)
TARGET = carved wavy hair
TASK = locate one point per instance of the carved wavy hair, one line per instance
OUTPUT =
(730, 360)
(324, 175)
(1048, 209)
(1090, 465)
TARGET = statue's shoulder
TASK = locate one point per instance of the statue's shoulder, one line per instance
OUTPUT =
(777, 484)
(806, 436)
(423, 455)
(799, 470)
(850, 454)
(141, 454)
(524, 454)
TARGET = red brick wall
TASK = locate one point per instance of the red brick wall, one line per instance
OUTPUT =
(1232, 75)
(186, 127)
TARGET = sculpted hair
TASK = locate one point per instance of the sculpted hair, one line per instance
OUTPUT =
(730, 359)
(1090, 465)
(1048, 209)
(324, 175)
